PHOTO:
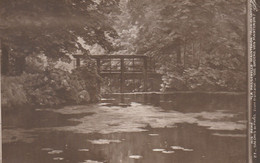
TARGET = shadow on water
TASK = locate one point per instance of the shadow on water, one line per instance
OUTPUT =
(187, 101)
(27, 118)
(182, 143)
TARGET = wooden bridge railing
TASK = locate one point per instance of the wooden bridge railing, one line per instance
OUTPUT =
(121, 69)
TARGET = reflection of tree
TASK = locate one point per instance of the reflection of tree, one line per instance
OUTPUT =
(183, 135)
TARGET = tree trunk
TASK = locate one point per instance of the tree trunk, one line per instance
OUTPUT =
(193, 55)
(178, 51)
(198, 55)
(4, 59)
(179, 55)
(184, 54)
(19, 65)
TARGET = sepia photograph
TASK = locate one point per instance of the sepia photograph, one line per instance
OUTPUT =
(126, 81)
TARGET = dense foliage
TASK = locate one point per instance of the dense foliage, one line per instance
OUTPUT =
(197, 45)
(36, 36)
(30, 27)
(52, 87)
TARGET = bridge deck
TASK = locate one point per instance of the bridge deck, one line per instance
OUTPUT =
(130, 75)
(117, 56)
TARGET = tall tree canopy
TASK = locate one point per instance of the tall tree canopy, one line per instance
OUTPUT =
(53, 27)
(185, 37)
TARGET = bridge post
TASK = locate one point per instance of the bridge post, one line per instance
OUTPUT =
(122, 82)
(145, 74)
(78, 62)
(77, 57)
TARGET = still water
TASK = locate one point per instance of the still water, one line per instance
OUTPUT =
(135, 128)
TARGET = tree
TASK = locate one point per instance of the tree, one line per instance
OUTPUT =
(53, 27)
(181, 35)
(184, 34)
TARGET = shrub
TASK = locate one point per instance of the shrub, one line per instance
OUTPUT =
(205, 79)
(12, 91)
(52, 87)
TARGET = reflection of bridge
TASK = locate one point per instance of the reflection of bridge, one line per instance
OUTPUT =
(125, 67)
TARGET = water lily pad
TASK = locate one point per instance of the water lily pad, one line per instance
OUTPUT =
(177, 147)
(58, 158)
(135, 156)
(39, 110)
(104, 141)
(188, 150)
(91, 161)
(83, 150)
(181, 148)
(158, 150)
(55, 152)
(167, 152)
(46, 149)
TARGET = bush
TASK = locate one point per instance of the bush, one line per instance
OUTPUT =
(205, 79)
(12, 91)
(52, 87)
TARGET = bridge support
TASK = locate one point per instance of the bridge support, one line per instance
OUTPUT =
(145, 74)
(122, 80)
(77, 57)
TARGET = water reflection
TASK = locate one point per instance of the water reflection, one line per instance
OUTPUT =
(205, 128)
(206, 148)
(188, 102)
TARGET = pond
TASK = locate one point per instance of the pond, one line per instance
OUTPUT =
(147, 128)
